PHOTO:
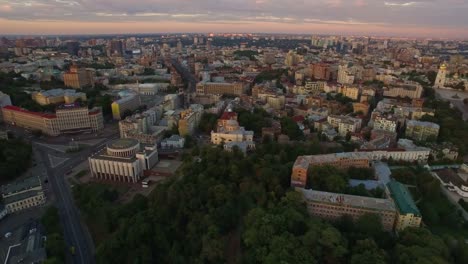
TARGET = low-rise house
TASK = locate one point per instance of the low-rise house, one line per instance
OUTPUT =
(173, 142)
(23, 194)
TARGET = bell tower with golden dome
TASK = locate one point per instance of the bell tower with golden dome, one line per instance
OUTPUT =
(441, 76)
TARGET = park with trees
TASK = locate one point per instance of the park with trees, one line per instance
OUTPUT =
(229, 208)
(15, 158)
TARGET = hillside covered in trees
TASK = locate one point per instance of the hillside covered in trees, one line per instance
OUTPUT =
(228, 208)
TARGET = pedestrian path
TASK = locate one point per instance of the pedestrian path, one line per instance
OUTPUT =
(91, 142)
(60, 148)
(56, 161)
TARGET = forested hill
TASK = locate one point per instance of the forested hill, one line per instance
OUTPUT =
(228, 208)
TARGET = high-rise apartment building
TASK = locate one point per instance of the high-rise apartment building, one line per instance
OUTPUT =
(115, 48)
(78, 78)
(321, 71)
(73, 47)
(291, 58)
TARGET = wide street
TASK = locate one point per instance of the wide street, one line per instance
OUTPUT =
(75, 232)
(186, 75)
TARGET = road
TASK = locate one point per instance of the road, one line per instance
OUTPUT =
(186, 75)
(75, 232)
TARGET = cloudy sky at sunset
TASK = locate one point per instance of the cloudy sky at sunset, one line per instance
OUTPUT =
(421, 18)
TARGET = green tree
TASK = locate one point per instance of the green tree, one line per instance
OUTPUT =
(418, 245)
(291, 129)
(367, 252)
(327, 178)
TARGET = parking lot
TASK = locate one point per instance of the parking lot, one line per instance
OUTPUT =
(14, 224)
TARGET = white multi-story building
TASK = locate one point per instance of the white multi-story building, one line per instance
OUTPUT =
(173, 142)
(123, 160)
(232, 132)
(142, 127)
(345, 124)
(344, 75)
(411, 90)
(385, 123)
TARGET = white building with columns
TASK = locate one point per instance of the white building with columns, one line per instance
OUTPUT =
(123, 160)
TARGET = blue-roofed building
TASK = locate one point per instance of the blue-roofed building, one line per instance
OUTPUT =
(408, 213)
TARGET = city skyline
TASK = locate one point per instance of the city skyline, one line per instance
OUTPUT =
(425, 18)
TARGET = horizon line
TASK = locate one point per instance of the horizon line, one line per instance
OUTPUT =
(239, 32)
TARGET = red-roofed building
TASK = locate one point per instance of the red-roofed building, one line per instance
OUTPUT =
(225, 117)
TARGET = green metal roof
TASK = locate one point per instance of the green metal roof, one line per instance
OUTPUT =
(403, 199)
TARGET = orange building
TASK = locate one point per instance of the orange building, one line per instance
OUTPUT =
(340, 160)
(78, 78)
(321, 71)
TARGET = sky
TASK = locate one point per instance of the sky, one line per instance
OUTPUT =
(407, 18)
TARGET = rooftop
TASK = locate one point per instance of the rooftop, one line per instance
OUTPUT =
(59, 92)
(20, 185)
(349, 200)
(21, 196)
(125, 99)
(423, 123)
(228, 115)
(403, 199)
(408, 144)
(31, 248)
(450, 176)
(21, 110)
(173, 138)
(123, 143)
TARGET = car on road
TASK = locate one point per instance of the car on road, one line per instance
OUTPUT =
(68, 172)
(72, 250)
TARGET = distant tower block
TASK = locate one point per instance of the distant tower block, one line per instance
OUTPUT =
(441, 75)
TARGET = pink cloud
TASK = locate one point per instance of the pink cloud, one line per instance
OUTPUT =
(6, 8)
(360, 3)
(80, 27)
(334, 3)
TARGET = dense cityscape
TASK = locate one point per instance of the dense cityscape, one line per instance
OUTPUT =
(233, 148)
